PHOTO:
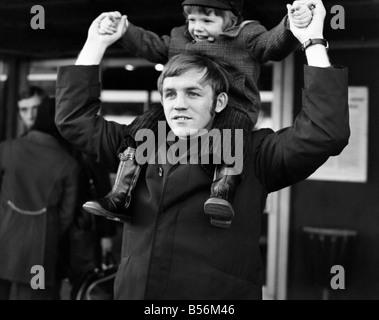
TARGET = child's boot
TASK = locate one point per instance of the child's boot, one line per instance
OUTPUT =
(114, 205)
(219, 205)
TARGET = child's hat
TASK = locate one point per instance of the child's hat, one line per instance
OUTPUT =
(235, 6)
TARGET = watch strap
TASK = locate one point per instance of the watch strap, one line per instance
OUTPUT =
(311, 42)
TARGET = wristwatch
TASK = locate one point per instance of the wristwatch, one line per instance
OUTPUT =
(311, 42)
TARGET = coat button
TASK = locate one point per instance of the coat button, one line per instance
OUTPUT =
(160, 171)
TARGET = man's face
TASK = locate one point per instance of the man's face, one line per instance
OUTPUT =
(28, 109)
(188, 103)
(201, 26)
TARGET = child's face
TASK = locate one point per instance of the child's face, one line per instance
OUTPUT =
(202, 26)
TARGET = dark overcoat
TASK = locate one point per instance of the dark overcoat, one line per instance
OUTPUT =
(37, 200)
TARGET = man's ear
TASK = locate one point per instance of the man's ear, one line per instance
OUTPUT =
(234, 22)
(222, 101)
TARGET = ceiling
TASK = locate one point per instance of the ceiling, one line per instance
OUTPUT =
(66, 22)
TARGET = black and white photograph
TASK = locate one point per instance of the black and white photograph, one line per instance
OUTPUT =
(191, 154)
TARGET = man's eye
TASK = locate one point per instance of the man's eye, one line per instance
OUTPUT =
(193, 94)
(208, 21)
(169, 95)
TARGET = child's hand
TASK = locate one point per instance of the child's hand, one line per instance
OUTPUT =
(110, 23)
(301, 14)
(315, 28)
(96, 43)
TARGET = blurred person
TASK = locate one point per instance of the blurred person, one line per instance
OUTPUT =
(28, 104)
(38, 189)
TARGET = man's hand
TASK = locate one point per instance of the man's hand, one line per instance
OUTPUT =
(315, 28)
(302, 15)
(108, 39)
(316, 54)
(96, 44)
(109, 24)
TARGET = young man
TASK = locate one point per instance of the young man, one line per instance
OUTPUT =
(170, 251)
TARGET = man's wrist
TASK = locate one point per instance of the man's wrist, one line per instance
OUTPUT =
(317, 56)
(314, 41)
(92, 53)
(304, 38)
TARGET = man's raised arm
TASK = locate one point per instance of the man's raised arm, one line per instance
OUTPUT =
(96, 44)
(320, 130)
(78, 100)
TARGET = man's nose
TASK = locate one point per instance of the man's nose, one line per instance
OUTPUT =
(29, 114)
(180, 103)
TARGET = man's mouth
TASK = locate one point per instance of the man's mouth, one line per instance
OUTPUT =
(181, 118)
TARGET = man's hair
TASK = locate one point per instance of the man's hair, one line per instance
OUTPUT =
(230, 19)
(217, 74)
(31, 92)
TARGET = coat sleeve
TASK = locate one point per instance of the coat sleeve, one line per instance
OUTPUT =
(77, 118)
(68, 202)
(271, 45)
(320, 130)
(145, 44)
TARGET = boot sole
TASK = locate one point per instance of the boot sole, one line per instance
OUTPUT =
(221, 223)
(95, 208)
(220, 211)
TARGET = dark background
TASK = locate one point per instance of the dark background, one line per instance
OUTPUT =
(67, 21)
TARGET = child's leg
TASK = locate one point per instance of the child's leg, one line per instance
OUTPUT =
(114, 204)
(219, 205)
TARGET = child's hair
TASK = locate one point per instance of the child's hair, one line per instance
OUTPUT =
(217, 73)
(230, 19)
